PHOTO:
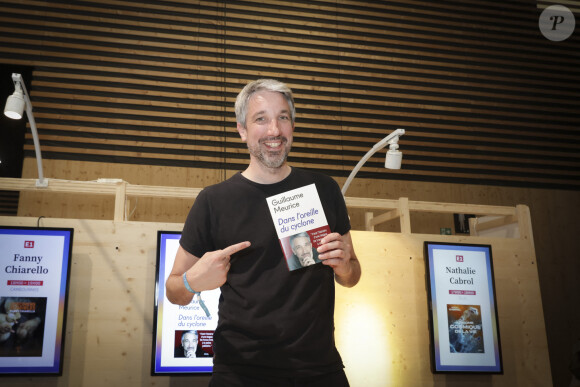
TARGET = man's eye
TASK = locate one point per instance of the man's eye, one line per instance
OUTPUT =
(284, 117)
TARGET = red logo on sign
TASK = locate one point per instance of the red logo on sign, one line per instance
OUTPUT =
(28, 244)
(459, 258)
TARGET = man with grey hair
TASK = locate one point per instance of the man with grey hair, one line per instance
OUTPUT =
(275, 326)
(189, 341)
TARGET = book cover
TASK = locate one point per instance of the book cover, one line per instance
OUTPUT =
(300, 223)
(22, 322)
(465, 331)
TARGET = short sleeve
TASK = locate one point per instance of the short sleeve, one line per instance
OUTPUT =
(196, 236)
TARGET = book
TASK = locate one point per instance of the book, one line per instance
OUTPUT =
(22, 321)
(465, 333)
(300, 224)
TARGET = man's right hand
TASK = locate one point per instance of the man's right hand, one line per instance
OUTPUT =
(211, 270)
(206, 273)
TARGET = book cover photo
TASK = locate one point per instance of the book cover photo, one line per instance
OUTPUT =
(465, 330)
(22, 322)
(300, 224)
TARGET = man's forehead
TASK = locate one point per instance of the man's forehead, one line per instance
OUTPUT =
(303, 239)
(262, 97)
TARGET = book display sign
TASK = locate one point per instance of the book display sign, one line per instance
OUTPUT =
(462, 308)
(300, 224)
(182, 335)
(34, 281)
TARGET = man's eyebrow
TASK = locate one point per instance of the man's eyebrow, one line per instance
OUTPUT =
(259, 113)
(256, 114)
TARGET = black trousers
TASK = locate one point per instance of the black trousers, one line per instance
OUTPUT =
(231, 379)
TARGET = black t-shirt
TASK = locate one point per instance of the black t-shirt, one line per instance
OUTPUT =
(271, 320)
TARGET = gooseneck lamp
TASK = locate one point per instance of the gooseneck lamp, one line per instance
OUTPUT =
(14, 109)
(392, 159)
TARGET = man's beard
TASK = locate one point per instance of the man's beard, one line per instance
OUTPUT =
(267, 158)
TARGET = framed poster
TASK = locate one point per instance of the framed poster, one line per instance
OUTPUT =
(182, 335)
(34, 281)
(463, 318)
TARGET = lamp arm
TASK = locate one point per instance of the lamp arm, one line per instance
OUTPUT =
(41, 182)
(378, 146)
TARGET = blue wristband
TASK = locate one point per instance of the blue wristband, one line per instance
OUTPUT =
(198, 294)
(187, 284)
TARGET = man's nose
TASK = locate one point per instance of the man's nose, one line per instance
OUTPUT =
(274, 129)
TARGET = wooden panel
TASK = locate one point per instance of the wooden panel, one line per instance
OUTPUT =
(381, 324)
(554, 228)
(386, 315)
(55, 203)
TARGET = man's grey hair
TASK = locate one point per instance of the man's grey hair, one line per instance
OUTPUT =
(299, 235)
(243, 99)
(185, 333)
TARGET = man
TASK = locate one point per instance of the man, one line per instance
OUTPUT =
(303, 253)
(189, 340)
(275, 326)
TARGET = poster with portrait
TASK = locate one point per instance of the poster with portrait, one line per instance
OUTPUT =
(463, 318)
(182, 335)
(34, 280)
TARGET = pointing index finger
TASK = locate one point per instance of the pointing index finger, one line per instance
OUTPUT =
(235, 248)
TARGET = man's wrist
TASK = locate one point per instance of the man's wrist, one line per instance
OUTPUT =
(351, 276)
(190, 289)
(187, 286)
(347, 270)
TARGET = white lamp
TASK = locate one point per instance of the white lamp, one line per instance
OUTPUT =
(392, 160)
(14, 109)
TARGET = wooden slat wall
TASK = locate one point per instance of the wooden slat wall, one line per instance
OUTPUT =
(572, 5)
(9, 203)
(484, 97)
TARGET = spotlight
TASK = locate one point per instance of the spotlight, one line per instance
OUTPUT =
(15, 104)
(394, 157)
(14, 109)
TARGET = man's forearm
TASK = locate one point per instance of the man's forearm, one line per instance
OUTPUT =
(176, 291)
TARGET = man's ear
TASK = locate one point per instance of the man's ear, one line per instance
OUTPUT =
(242, 131)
